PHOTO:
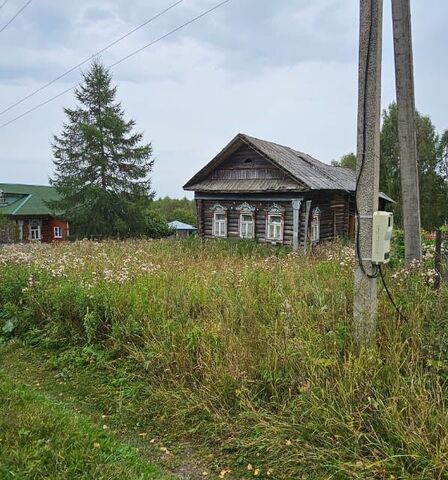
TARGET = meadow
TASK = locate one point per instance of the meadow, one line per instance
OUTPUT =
(242, 351)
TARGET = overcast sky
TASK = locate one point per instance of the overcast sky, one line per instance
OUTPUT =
(282, 70)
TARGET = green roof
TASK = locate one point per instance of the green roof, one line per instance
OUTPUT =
(24, 200)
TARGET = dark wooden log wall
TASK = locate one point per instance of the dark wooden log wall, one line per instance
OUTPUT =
(206, 212)
(336, 208)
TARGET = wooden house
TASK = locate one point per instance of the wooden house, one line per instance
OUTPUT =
(272, 193)
(27, 206)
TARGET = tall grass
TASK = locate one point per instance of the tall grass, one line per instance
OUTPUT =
(248, 349)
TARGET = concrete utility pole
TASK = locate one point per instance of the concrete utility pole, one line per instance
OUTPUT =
(404, 79)
(368, 162)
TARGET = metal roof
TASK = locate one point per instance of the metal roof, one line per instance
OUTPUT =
(22, 200)
(304, 171)
(248, 185)
(180, 225)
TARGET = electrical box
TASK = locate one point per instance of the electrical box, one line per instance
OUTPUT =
(382, 226)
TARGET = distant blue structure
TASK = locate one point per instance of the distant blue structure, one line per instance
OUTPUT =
(182, 229)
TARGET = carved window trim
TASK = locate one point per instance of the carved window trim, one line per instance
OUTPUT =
(219, 227)
(315, 225)
(275, 209)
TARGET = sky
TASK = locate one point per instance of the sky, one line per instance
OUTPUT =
(283, 70)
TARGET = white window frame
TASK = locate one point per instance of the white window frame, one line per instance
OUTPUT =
(35, 226)
(278, 226)
(60, 232)
(315, 226)
(220, 224)
(246, 227)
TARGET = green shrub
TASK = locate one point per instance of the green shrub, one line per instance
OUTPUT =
(247, 348)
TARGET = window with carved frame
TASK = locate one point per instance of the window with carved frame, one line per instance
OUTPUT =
(315, 225)
(219, 228)
(247, 220)
(275, 224)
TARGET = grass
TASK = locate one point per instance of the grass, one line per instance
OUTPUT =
(39, 439)
(245, 351)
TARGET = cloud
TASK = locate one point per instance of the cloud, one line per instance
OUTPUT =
(284, 70)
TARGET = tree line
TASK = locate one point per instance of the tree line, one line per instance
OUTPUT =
(432, 151)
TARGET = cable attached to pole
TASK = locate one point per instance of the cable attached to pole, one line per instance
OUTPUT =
(390, 297)
(363, 154)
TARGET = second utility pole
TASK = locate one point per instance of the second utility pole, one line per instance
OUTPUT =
(404, 79)
(367, 169)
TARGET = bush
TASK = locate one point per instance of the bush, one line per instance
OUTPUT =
(247, 348)
(156, 225)
(9, 231)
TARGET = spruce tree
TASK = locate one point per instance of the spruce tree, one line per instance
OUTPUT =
(102, 168)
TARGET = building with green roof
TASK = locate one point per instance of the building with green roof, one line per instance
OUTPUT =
(27, 205)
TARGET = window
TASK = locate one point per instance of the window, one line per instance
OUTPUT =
(57, 232)
(247, 220)
(246, 225)
(315, 225)
(275, 227)
(2, 198)
(220, 224)
(35, 230)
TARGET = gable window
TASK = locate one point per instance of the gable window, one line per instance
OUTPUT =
(315, 225)
(35, 230)
(58, 232)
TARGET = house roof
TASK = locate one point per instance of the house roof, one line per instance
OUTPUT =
(180, 225)
(27, 200)
(304, 171)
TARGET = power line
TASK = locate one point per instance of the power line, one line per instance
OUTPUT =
(203, 14)
(3, 4)
(15, 16)
(107, 47)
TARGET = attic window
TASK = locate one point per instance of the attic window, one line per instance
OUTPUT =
(248, 160)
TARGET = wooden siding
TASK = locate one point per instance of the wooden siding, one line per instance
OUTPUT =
(246, 164)
(335, 207)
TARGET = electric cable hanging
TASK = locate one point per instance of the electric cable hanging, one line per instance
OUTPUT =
(15, 16)
(99, 52)
(377, 270)
(135, 52)
(3, 4)
(363, 154)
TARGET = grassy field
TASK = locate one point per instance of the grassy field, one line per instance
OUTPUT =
(237, 354)
(39, 438)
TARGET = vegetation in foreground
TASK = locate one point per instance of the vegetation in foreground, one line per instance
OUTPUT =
(244, 350)
(40, 439)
